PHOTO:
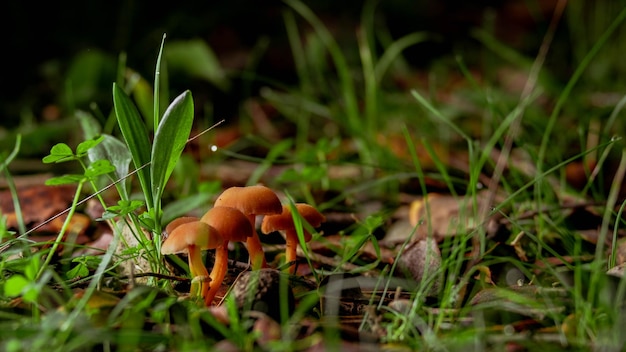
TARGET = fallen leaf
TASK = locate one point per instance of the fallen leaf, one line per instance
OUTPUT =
(421, 259)
(266, 329)
(617, 270)
(439, 216)
(37, 203)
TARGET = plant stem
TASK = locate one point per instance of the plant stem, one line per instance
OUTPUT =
(66, 223)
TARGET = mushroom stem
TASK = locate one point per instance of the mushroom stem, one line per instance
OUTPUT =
(255, 248)
(291, 237)
(257, 255)
(196, 269)
(217, 274)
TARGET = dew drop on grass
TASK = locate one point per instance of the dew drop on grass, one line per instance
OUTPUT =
(213, 148)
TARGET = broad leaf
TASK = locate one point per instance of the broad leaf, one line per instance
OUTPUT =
(84, 146)
(14, 285)
(59, 153)
(169, 141)
(111, 149)
(98, 168)
(64, 180)
(135, 134)
(117, 153)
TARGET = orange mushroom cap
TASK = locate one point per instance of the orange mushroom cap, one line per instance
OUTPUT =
(251, 200)
(179, 221)
(192, 237)
(193, 233)
(284, 220)
(231, 223)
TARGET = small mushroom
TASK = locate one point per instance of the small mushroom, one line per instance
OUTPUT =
(179, 221)
(233, 226)
(285, 222)
(252, 201)
(192, 237)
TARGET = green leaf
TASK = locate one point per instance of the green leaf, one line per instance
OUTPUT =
(136, 136)
(91, 126)
(122, 208)
(195, 58)
(117, 153)
(14, 285)
(144, 100)
(98, 168)
(60, 152)
(169, 141)
(80, 270)
(147, 219)
(64, 180)
(31, 269)
(84, 146)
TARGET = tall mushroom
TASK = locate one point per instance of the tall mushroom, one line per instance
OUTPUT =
(285, 222)
(252, 201)
(192, 237)
(233, 226)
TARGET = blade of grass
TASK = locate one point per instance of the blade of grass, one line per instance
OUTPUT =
(598, 266)
(601, 42)
(371, 86)
(347, 85)
(4, 165)
(157, 85)
(300, 60)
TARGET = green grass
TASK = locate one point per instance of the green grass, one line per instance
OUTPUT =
(342, 105)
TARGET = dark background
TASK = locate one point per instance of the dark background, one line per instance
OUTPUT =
(40, 39)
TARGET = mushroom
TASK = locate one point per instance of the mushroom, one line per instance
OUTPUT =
(252, 201)
(285, 222)
(179, 221)
(192, 237)
(233, 226)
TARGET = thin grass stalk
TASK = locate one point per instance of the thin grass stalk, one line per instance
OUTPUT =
(300, 61)
(580, 69)
(64, 227)
(348, 91)
(366, 43)
(67, 325)
(598, 266)
(17, 209)
(371, 86)
(616, 226)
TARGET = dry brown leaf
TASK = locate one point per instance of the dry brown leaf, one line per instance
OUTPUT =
(440, 216)
(421, 259)
(621, 251)
(38, 204)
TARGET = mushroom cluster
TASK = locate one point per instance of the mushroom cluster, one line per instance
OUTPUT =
(233, 219)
